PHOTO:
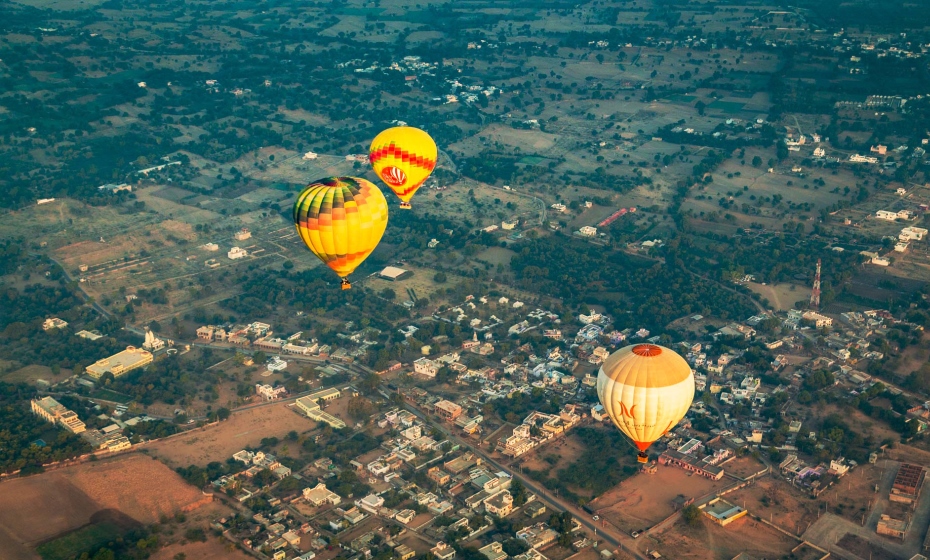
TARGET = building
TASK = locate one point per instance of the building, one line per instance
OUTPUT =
(269, 393)
(320, 495)
(500, 504)
(892, 216)
(54, 412)
(892, 527)
(448, 410)
(691, 463)
(722, 512)
(242, 234)
(404, 552)
(237, 253)
(54, 323)
(588, 231)
(394, 273)
(425, 366)
(907, 483)
(912, 234)
(442, 551)
(152, 343)
(494, 551)
(311, 407)
(118, 364)
(538, 536)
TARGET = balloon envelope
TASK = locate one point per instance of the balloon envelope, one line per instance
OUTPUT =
(404, 157)
(646, 390)
(341, 220)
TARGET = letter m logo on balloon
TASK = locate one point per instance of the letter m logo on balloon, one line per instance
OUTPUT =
(627, 412)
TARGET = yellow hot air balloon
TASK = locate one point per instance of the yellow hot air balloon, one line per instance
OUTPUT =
(646, 390)
(404, 157)
(341, 220)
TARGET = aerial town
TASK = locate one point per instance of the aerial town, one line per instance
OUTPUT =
(378, 279)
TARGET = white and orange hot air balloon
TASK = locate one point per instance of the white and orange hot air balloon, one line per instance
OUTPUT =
(646, 390)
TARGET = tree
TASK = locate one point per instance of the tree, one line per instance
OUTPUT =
(259, 357)
(756, 161)
(388, 294)
(518, 491)
(691, 514)
(222, 414)
(440, 278)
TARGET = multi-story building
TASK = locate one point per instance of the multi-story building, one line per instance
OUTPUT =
(54, 412)
(118, 364)
(448, 410)
(425, 366)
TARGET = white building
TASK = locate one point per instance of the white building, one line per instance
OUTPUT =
(243, 234)
(588, 231)
(237, 253)
(425, 366)
(269, 393)
(912, 234)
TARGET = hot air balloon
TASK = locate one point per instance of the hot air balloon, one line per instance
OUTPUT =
(403, 157)
(646, 390)
(341, 220)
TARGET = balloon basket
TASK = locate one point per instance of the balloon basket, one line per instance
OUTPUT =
(345, 284)
(642, 458)
(405, 205)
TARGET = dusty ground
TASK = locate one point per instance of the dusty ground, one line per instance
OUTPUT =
(854, 495)
(213, 549)
(244, 428)
(782, 297)
(30, 374)
(778, 503)
(41, 507)
(709, 541)
(743, 467)
(563, 451)
(645, 499)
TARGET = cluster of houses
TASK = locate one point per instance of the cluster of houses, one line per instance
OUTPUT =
(537, 429)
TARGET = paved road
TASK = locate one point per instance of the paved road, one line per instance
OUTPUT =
(615, 538)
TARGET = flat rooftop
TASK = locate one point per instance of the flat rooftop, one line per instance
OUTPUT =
(121, 362)
(722, 509)
(392, 272)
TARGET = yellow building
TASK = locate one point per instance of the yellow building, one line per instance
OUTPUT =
(120, 363)
(311, 407)
(56, 413)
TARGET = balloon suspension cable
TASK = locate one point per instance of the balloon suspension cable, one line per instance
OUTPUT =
(405, 205)
(345, 284)
(642, 457)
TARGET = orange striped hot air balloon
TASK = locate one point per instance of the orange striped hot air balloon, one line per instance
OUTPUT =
(404, 157)
(341, 220)
(646, 390)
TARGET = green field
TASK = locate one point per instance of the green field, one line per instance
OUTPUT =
(77, 542)
(532, 160)
(727, 106)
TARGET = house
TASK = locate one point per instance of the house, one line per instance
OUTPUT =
(404, 552)
(320, 494)
(534, 509)
(405, 516)
(448, 410)
(500, 504)
(912, 234)
(494, 551)
(588, 231)
(54, 323)
(538, 536)
(442, 551)
(425, 366)
(237, 253)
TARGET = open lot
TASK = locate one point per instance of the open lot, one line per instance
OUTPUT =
(708, 541)
(244, 428)
(132, 487)
(781, 297)
(214, 549)
(777, 502)
(645, 499)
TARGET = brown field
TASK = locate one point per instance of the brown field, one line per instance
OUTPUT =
(30, 374)
(787, 507)
(41, 507)
(743, 467)
(564, 450)
(853, 495)
(709, 541)
(213, 549)
(782, 297)
(645, 499)
(244, 428)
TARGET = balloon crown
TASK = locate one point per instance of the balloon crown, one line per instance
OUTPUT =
(647, 350)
